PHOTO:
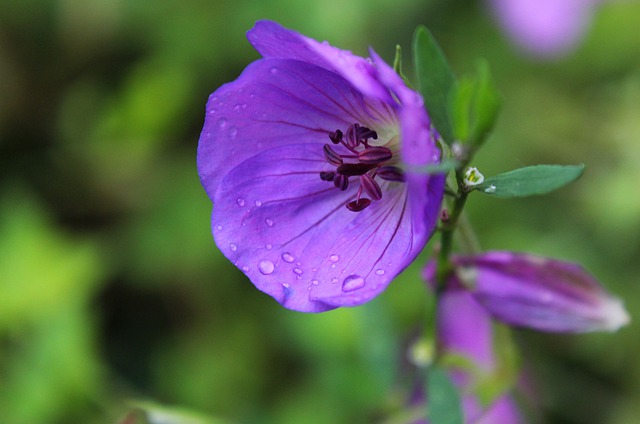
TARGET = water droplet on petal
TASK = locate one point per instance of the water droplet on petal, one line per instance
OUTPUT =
(233, 247)
(285, 285)
(222, 122)
(219, 227)
(273, 70)
(268, 246)
(315, 282)
(245, 268)
(240, 202)
(297, 271)
(352, 282)
(334, 280)
(233, 132)
(266, 267)
(258, 203)
(269, 222)
(237, 108)
(334, 258)
(288, 257)
(380, 271)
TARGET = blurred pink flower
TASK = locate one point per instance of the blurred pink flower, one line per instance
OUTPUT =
(545, 28)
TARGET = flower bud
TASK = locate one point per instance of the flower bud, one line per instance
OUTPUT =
(539, 293)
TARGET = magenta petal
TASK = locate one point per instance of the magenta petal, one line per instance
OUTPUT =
(273, 40)
(275, 102)
(291, 233)
(540, 293)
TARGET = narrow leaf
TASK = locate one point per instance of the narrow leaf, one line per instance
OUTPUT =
(530, 181)
(474, 106)
(435, 80)
(443, 400)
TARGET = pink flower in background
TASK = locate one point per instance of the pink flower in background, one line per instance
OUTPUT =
(545, 28)
(539, 293)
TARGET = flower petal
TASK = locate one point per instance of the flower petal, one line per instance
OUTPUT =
(270, 39)
(277, 102)
(540, 293)
(291, 233)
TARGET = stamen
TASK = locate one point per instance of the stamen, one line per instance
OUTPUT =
(332, 157)
(375, 155)
(341, 182)
(358, 205)
(327, 176)
(352, 169)
(336, 136)
(370, 187)
(391, 173)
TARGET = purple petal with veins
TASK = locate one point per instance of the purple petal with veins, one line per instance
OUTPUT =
(289, 154)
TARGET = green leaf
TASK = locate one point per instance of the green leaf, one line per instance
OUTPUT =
(474, 106)
(530, 181)
(436, 81)
(443, 400)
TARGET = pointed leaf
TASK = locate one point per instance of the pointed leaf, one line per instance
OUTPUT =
(435, 80)
(530, 180)
(443, 400)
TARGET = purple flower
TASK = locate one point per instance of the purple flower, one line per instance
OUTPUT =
(546, 28)
(302, 158)
(540, 293)
(465, 329)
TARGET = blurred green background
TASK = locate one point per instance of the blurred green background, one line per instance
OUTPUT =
(112, 290)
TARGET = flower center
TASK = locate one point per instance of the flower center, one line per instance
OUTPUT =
(362, 161)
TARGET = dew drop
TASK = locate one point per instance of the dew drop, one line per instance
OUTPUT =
(222, 122)
(288, 257)
(380, 271)
(233, 132)
(273, 70)
(334, 280)
(269, 222)
(334, 258)
(297, 271)
(268, 246)
(240, 202)
(245, 268)
(315, 282)
(333, 266)
(286, 285)
(257, 203)
(233, 247)
(237, 108)
(219, 227)
(352, 282)
(266, 267)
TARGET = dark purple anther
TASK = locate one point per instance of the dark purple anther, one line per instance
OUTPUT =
(391, 173)
(375, 155)
(336, 136)
(332, 157)
(365, 133)
(352, 169)
(352, 135)
(341, 182)
(371, 187)
(327, 176)
(358, 205)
